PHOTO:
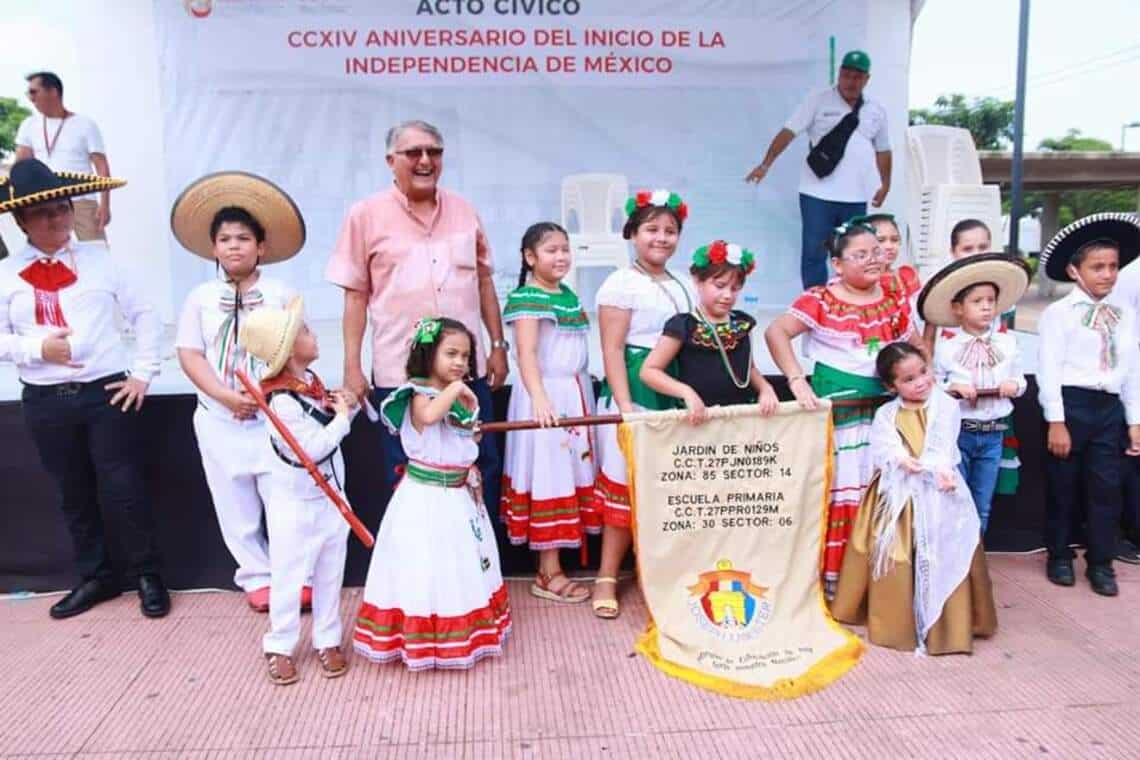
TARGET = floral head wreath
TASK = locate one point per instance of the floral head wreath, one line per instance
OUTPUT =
(720, 252)
(663, 198)
(427, 330)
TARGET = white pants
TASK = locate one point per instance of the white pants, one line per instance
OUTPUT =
(310, 539)
(233, 455)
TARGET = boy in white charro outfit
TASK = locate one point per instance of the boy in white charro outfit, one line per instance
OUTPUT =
(241, 222)
(307, 534)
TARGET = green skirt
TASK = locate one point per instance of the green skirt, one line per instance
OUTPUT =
(640, 393)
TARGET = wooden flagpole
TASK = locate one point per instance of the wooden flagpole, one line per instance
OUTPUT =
(614, 419)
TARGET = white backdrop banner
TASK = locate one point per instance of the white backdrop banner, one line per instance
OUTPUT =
(683, 94)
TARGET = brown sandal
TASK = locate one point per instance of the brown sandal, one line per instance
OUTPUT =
(282, 671)
(565, 595)
(333, 663)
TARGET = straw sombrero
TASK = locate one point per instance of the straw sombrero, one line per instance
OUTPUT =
(269, 334)
(31, 181)
(194, 211)
(1008, 273)
(1123, 229)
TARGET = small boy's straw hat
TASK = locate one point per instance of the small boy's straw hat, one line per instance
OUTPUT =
(268, 334)
(1121, 228)
(194, 210)
(1009, 273)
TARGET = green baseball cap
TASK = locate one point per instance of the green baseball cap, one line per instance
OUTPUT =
(858, 60)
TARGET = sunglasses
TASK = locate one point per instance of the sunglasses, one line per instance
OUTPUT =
(415, 154)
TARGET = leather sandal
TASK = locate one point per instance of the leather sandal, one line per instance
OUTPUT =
(333, 664)
(565, 595)
(282, 671)
(607, 609)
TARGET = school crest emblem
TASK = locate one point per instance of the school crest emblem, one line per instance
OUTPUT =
(727, 604)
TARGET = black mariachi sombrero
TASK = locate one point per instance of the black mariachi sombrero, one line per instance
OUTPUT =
(31, 181)
(1121, 228)
(1008, 273)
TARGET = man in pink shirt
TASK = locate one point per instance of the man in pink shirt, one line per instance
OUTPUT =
(411, 251)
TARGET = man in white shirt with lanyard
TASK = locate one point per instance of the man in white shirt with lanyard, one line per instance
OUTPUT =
(66, 142)
(58, 299)
(863, 172)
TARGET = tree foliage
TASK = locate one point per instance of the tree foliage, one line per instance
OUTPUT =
(989, 120)
(11, 114)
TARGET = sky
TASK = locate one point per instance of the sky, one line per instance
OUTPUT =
(1083, 65)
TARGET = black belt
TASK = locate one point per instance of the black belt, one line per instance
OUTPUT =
(67, 390)
(984, 426)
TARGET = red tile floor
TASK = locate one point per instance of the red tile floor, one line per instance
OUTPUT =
(1061, 679)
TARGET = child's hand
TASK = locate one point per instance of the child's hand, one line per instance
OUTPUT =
(339, 403)
(1059, 442)
(965, 391)
(698, 413)
(801, 389)
(241, 404)
(946, 481)
(911, 465)
(768, 401)
(1133, 449)
(349, 397)
(465, 395)
(1008, 389)
(544, 413)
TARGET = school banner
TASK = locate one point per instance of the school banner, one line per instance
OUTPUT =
(682, 94)
(729, 519)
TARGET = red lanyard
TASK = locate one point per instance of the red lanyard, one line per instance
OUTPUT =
(50, 144)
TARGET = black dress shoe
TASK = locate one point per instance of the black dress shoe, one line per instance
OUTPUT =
(1103, 580)
(1060, 571)
(83, 597)
(153, 596)
(1127, 551)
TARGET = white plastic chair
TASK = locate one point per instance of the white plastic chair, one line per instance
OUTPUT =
(941, 207)
(944, 187)
(593, 212)
(943, 155)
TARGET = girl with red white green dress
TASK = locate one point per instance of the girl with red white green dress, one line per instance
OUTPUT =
(844, 324)
(633, 306)
(548, 474)
(435, 596)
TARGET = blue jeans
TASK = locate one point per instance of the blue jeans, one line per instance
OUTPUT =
(981, 458)
(819, 218)
(490, 466)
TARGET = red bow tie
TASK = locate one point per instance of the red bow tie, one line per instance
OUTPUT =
(49, 275)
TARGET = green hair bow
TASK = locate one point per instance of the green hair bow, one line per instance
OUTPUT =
(427, 330)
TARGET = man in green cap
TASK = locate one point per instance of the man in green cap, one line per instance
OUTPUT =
(850, 163)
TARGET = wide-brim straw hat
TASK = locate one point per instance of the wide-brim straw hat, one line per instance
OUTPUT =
(193, 213)
(269, 334)
(31, 181)
(1122, 228)
(1009, 273)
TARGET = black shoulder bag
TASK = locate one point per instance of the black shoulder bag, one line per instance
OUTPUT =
(825, 155)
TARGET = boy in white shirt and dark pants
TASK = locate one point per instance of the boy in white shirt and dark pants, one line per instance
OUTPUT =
(1087, 378)
(58, 300)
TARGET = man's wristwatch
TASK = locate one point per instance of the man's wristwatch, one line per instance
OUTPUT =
(500, 343)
